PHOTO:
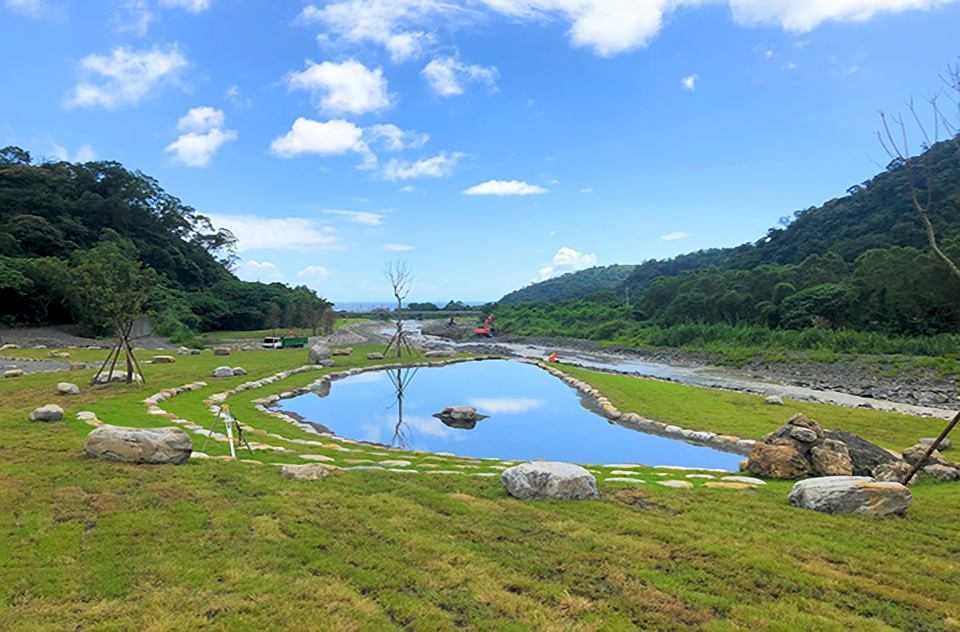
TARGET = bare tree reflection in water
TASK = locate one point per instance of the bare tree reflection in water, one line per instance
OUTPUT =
(401, 378)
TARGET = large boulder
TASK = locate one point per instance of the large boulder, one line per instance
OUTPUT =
(221, 351)
(543, 480)
(894, 472)
(943, 473)
(864, 456)
(13, 373)
(115, 376)
(778, 458)
(342, 352)
(319, 353)
(164, 359)
(375, 356)
(223, 371)
(50, 412)
(139, 445)
(306, 472)
(239, 371)
(321, 388)
(851, 494)
(945, 444)
(9, 346)
(831, 458)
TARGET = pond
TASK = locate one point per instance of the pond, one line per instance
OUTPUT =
(531, 415)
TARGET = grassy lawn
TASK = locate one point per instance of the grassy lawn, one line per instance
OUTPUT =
(746, 415)
(234, 546)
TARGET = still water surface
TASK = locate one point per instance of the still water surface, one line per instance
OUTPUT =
(532, 415)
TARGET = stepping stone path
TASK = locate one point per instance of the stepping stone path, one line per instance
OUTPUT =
(749, 480)
(676, 484)
(623, 479)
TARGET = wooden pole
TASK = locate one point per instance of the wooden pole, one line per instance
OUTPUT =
(933, 447)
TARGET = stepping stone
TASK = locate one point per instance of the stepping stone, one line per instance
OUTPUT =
(484, 474)
(445, 472)
(700, 476)
(624, 472)
(362, 467)
(395, 469)
(315, 457)
(623, 479)
(744, 479)
(676, 484)
(397, 463)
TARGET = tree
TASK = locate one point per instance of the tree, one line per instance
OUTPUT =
(400, 278)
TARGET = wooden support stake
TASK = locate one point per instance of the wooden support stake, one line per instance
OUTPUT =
(933, 447)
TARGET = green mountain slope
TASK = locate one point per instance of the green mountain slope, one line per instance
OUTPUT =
(573, 285)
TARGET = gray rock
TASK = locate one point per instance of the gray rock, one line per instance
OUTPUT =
(78, 366)
(374, 356)
(342, 352)
(318, 353)
(864, 456)
(306, 472)
(773, 400)
(894, 472)
(831, 458)
(914, 453)
(221, 351)
(239, 370)
(441, 353)
(946, 444)
(851, 494)
(223, 371)
(803, 434)
(66, 388)
(164, 359)
(542, 480)
(139, 445)
(13, 373)
(676, 484)
(50, 412)
(943, 473)
(116, 376)
(183, 351)
(749, 480)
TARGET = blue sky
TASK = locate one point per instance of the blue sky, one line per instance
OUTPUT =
(487, 143)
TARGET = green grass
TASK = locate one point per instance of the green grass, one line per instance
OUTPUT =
(746, 415)
(233, 546)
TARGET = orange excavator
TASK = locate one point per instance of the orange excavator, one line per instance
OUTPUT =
(487, 330)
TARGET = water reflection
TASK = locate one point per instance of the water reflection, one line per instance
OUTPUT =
(400, 378)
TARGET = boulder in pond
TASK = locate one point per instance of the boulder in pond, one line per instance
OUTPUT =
(50, 412)
(463, 417)
(851, 494)
(549, 480)
(139, 445)
(223, 371)
(831, 458)
(318, 353)
(306, 472)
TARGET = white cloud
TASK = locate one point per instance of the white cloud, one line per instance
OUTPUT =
(29, 8)
(609, 27)
(193, 6)
(348, 87)
(235, 95)
(502, 187)
(397, 247)
(360, 217)
(788, 66)
(804, 15)
(566, 260)
(202, 139)
(408, 189)
(136, 18)
(392, 138)
(446, 76)
(690, 83)
(393, 24)
(84, 154)
(315, 272)
(254, 232)
(127, 76)
(312, 137)
(675, 236)
(439, 166)
(506, 406)
(256, 271)
(587, 190)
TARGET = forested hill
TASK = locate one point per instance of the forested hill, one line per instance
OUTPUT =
(57, 217)
(877, 214)
(572, 285)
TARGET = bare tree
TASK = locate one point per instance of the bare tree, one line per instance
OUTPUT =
(400, 277)
(893, 139)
